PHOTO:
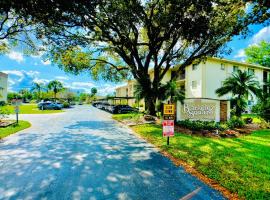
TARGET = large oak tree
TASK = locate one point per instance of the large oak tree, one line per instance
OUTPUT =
(116, 39)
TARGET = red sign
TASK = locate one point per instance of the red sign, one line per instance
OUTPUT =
(168, 128)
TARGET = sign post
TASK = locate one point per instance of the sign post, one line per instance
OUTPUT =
(16, 104)
(168, 122)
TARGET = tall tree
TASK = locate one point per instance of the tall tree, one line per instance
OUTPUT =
(38, 87)
(93, 91)
(55, 86)
(119, 39)
(240, 85)
(259, 54)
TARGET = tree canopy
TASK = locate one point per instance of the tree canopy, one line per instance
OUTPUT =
(259, 54)
(120, 39)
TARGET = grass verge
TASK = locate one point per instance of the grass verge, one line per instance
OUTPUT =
(242, 165)
(128, 116)
(30, 109)
(4, 132)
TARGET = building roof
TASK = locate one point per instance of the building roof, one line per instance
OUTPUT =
(238, 63)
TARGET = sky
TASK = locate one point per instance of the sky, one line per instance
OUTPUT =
(24, 70)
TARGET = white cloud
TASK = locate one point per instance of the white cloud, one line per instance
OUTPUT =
(263, 34)
(21, 79)
(83, 84)
(61, 77)
(240, 54)
(46, 62)
(14, 55)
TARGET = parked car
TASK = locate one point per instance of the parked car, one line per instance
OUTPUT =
(49, 106)
(123, 109)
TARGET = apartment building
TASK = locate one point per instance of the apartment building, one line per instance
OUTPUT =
(200, 82)
(3, 86)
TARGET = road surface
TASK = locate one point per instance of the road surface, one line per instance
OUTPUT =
(84, 154)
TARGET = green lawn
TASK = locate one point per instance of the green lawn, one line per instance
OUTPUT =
(4, 132)
(241, 165)
(31, 109)
(120, 117)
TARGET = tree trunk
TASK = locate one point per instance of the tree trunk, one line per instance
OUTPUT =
(150, 103)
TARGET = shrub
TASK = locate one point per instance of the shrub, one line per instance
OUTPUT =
(66, 105)
(235, 122)
(200, 125)
(3, 113)
(264, 124)
(2, 103)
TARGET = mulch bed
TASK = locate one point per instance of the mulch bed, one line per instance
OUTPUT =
(6, 123)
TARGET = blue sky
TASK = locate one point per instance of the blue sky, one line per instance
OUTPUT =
(23, 70)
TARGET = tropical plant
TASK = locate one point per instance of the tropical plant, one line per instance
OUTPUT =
(25, 95)
(93, 91)
(38, 87)
(169, 91)
(263, 106)
(172, 92)
(55, 86)
(240, 85)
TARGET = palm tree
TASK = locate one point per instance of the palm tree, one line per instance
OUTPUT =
(240, 85)
(55, 86)
(37, 87)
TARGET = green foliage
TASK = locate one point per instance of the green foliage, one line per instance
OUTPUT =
(14, 128)
(116, 39)
(263, 108)
(93, 92)
(240, 85)
(171, 91)
(259, 54)
(200, 125)
(238, 164)
(55, 86)
(236, 122)
(66, 105)
(2, 103)
(3, 112)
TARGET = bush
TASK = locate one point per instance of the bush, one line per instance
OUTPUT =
(200, 125)
(235, 122)
(2, 103)
(264, 124)
(66, 105)
(263, 109)
(3, 113)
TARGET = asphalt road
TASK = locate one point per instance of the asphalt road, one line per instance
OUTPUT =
(84, 154)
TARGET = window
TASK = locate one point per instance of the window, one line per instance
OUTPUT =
(195, 66)
(251, 71)
(235, 68)
(222, 66)
(194, 84)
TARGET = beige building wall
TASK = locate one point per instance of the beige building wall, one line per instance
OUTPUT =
(3, 86)
(215, 71)
(193, 81)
